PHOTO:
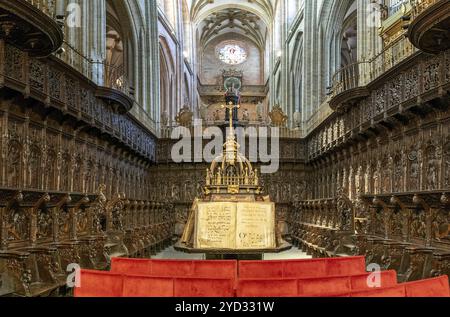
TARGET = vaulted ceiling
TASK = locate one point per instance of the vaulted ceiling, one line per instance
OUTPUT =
(233, 20)
(263, 8)
(249, 18)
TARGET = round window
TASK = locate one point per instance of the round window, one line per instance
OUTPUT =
(232, 54)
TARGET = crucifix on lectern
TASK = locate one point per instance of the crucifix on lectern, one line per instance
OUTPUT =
(231, 112)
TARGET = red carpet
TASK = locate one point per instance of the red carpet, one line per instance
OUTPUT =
(329, 277)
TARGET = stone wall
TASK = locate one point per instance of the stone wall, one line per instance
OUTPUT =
(211, 67)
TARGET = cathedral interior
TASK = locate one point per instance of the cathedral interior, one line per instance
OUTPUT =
(92, 94)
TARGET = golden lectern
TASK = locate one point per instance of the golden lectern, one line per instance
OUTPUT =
(234, 219)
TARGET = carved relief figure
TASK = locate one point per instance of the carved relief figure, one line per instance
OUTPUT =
(418, 229)
(414, 170)
(245, 115)
(65, 167)
(88, 177)
(447, 165)
(14, 160)
(203, 109)
(358, 181)
(34, 165)
(44, 224)
(432, 168)
(440, 225)
(396, 223)
(376, 178)
(386, 175)
(259, 111)
(398, 174)
(367, 179)
(17, 225)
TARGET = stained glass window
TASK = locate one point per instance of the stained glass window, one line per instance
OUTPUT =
(232, 54)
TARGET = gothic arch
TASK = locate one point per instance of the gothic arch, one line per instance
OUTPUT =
(297, 72)
(333, 17)
(124, 20)
(167, 88)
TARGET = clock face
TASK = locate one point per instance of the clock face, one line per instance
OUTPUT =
(232, 54)
(232, 82)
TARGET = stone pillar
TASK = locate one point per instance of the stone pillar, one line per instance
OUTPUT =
(96, 50)
(285, 102)
(309, 50)
(153, 60)
(369, 41)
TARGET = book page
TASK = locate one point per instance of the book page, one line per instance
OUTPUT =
(255, 226)
(216, 226)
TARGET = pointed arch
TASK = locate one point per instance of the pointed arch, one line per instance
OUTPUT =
(167, 88)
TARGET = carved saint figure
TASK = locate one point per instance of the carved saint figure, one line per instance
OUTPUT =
(432, 176)
(219, 176)
(256, 178)
(414, 170)
(44, 224)
(259, 111)
(14, 163)
(203, 109)
(208, 177)
(246, 180)
(418, 225)
(376, 180)
(447, 165)
(358, 185)
(432, 168)
(217, 115)
(367, 178)
(398, 175)
(447, 171)
(245, 115)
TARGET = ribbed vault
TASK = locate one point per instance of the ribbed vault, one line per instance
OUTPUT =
(214, 18)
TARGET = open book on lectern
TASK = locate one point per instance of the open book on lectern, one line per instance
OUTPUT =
(235, 226)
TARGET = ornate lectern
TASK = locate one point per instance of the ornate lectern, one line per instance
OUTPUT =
(234, 220)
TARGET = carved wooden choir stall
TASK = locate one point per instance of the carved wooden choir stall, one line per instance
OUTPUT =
(42, 234)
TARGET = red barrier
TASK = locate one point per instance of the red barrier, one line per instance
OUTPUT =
(172, 268)
(305, 268)
(369, 280)
(324, 287)
(216, 269)
(346, 266)
(99, 284)
(260, 269)
(314, 287)
(181, 278)
(144, 286)
(131, 266)
(434, 287)
(396, 291)
(310, 268)
(202, 287)
(267, 288)
(175, 268)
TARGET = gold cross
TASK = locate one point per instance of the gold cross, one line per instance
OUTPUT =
(230, 108)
